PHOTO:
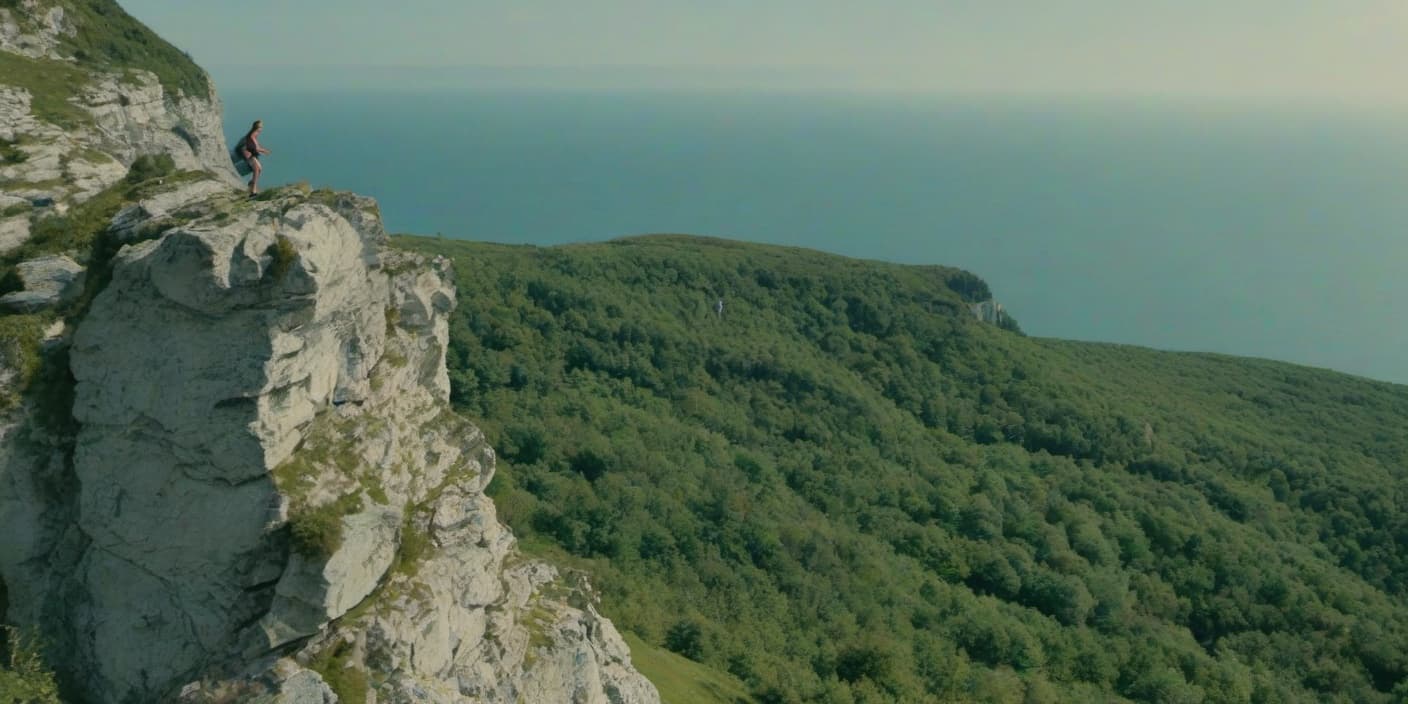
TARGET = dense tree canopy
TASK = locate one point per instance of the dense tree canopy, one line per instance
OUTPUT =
(846, 489)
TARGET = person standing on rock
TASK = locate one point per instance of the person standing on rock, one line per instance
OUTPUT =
(250, 150)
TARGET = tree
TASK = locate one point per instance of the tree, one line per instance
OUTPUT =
(687, 639)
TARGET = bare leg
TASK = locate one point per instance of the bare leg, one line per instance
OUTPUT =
(254, 182)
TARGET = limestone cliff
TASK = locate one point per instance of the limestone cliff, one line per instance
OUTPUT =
(71, 124)
(229, 471)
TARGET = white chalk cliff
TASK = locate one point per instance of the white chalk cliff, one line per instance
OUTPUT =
(242, 480)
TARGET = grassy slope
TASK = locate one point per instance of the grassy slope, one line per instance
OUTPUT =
(110, 38)
(846, 490)
(50, 83)
(107, 39)
(681, 680)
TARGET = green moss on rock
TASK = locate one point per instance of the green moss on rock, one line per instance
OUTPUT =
(415, 543)
(347, 681)
(19, 346)
(284, 254)
(317, 532)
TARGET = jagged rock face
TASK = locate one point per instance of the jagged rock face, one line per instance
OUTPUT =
(134, 116)
(128, 114)
(267, 471)
(175, 489)
(129, 118)
(39, 38)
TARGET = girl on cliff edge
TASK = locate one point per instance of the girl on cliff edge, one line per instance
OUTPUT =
(250, 150)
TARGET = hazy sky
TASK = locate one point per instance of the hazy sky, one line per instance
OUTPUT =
(1317, 49)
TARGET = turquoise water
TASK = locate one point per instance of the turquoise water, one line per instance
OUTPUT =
(1264, 232)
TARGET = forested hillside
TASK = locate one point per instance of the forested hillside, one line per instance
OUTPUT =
(846, 489)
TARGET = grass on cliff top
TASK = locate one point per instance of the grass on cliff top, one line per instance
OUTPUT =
(109, 38)
(51, 84)
(681, 680)
(79, 230)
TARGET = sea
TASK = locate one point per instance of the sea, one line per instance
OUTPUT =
(1275, 231)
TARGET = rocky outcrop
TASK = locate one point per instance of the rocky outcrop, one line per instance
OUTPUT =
(48, 281)
(270, 484)
(987, 311)
(134, 115)
(195, 456)
(34, 29)
(128, 118)
(14, 230)
(113, 116)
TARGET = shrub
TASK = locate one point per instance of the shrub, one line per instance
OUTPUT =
(10, 152)
(317, 532)
(415, 543)
(590, 464)
(23, 675)
(687, 639)
(347, 681)
(150, 166)
(19, 350)
(283, 253)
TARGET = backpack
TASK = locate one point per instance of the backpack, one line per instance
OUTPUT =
(242, 166)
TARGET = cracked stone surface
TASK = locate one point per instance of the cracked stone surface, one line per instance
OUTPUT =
(256, 364)
(34, 30)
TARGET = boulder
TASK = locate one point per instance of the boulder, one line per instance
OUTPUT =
(14, 232)
(48, 281)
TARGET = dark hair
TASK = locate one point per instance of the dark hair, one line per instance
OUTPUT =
(254, 128)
